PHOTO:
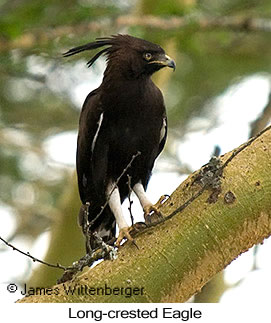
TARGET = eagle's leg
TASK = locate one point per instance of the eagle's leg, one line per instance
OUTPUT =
(115, 206)
(147, 206)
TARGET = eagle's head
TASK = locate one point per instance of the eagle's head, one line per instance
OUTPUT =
(131, 57)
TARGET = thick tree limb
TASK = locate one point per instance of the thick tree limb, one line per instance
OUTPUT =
(177, 257)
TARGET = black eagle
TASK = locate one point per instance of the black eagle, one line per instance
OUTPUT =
(122, 130)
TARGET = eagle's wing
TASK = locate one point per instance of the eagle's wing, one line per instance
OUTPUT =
(163, 136)
(89, 125)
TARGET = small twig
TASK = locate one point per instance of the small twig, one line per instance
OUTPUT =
(129, 199)
(180, 208)
(115, 186)
(104, 251)
(244, 146)
(107, 251)
(206, 185)
(27, 254)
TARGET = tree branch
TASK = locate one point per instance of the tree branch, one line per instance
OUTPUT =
(34, 259)
(177, 257)
(235, 23)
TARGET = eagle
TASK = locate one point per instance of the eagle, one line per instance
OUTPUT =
(122, 130)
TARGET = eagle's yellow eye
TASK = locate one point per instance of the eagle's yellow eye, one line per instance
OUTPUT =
(147, 56)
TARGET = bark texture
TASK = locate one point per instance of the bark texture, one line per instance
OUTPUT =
(178, 257)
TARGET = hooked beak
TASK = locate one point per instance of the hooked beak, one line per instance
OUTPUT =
(164, 61)
(169, 62)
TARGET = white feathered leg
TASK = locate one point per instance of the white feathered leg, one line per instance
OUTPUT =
(146, 204)
(115, 206)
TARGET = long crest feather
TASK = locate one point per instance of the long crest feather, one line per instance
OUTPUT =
(95, 57)
(100, 42)
(115, 42)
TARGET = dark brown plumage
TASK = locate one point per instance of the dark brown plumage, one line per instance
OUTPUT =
(124, 115)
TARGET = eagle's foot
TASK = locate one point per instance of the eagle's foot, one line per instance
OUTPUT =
(124, 234)
(152, 213)
(128, 232)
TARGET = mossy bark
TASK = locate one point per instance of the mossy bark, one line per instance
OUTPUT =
(178, 257)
